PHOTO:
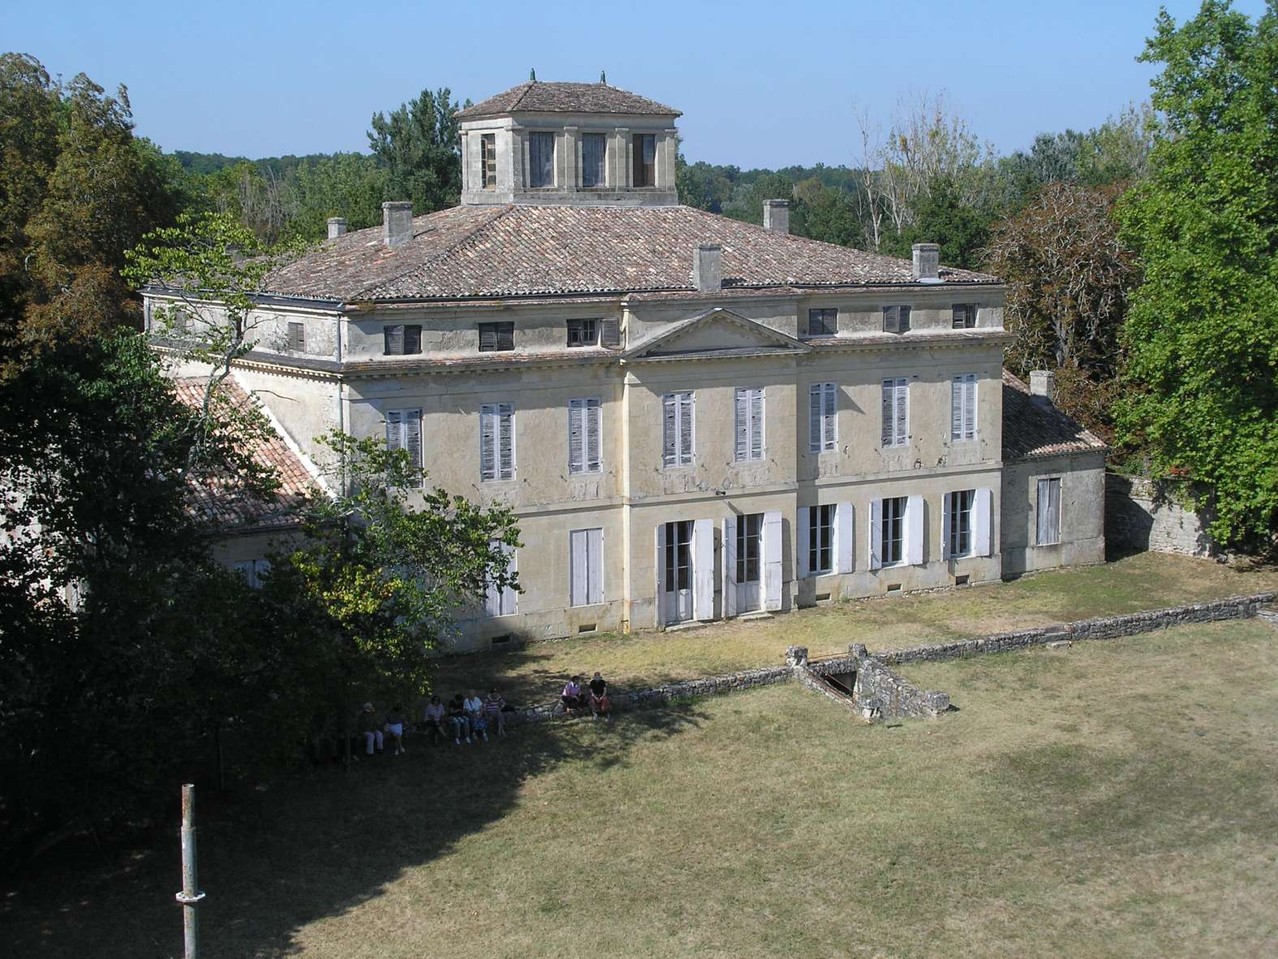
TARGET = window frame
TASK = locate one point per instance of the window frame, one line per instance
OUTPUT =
(749, 418)
(895, 427)
(500, 335)
(409, 335)
(640, 170)
(297, 336)
(822, 524)
(960, 506)
(823, 412)
(488, 160)
(892, 531)
(896, 318)
(599, 176)
(588, 414)
(578, 325)
(1047, 513)
(678, 429)
(824, 313)
(496, 423)
(963, 316)
(963, 408)
(541, 137)
(404, 431)
(585, 550)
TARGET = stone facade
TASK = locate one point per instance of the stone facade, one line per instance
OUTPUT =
(1143, 514)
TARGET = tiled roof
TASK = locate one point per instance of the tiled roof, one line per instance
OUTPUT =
(227, 506)
(492, 251)
(1034, 428)
(537, 97)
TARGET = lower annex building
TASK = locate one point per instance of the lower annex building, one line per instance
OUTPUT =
(694, 418)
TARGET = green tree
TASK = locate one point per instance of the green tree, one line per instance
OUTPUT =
(349, 185)
(419, 145)
(1201, 392)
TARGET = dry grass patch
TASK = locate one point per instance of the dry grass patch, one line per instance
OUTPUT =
(1141, 582)
(1115, 799)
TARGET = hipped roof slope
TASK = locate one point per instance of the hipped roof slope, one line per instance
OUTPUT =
(1033, 427)
(538, 97)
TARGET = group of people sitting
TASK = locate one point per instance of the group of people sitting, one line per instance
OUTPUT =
(576, 699)
(375, 732)
(466, 718)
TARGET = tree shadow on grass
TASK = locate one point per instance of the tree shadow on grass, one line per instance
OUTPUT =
(316, 845)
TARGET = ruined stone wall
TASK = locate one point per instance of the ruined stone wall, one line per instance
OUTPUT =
(1142, 514)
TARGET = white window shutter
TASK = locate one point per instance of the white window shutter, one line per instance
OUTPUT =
(487, 443)
(772, 555)
(577, 564)
(946, 520)
(816, 433)
(876, 533)
(510, 598)
(669, 430)
(889, 405)
(660, 570)
(596, 565)
(956, 408)
(703, 569)
(982, 527)
(730, 566)
(969, 408)
(914, 523)
(756, 424)
(743, 424)
(830, 433)
(804, 536)
(576, 439)
(844, 538)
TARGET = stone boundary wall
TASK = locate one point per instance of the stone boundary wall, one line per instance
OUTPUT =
(1105, 627)
(1143, 514)
(885, 694)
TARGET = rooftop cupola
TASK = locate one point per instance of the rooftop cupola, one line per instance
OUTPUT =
(568, 144)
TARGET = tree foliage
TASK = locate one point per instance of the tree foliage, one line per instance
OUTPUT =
(419, 145)
(1202, 334)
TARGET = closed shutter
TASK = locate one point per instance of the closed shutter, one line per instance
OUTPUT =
(412, 426)
(830, 433)
(914, 524)
(659, 569)
(594, 436)
(505, 336)
(487, 337)
(393, 340)
(982, 526)
(595, 566)
(297, 337)
(685, 428)
(412, 339)
(956, 408)
(506, 440)
(845, 554)
(876, 534)
(963, 407)
(756, 424)
(889, 406)
(730, 566)
(772, 555)
(394, 429)
(816, 435)
(488, 442)
(743, 424)
(969, 408)
(947, 521)
(902, 411)
(610, 333)
(586, 562)
(804, 536)
(703, 569)
(576, 436)
(670, 429)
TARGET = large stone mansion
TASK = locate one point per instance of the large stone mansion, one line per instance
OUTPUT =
(694, 417)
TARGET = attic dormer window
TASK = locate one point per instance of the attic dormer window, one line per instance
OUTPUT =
(488, 158)
(645, 159)
(541, 159)
(594, 155)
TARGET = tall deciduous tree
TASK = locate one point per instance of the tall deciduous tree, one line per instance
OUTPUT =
(1202, 334)
(419, 144)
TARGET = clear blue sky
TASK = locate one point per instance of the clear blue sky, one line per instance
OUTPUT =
(759, 83)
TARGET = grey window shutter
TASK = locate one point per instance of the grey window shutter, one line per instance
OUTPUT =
(743, 424)
(394, 429)
(412, 339)
(506, 434)
(756, 423)
(487, 337)
(902, 411)
(487, 443)
(956, 408)
(830, 434)
(816, 432)
(685, 428)
(593, 423)
(610, 333)
(413, 437)
(393, 340)
(806, 540)
(297, 337)
(505, 336)
(576, 444)
(969, 407)
(889, 405)
(670, 439)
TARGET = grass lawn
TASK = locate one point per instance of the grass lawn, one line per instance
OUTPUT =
(1144, 581)
(1112, 799)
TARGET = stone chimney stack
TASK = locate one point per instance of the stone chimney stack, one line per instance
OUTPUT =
(1043, 386)
(397, 222)
(336, 227)
(927, 263)
(776, 216)
(707, 268)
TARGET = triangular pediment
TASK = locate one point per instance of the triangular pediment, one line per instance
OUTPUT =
(717, 333)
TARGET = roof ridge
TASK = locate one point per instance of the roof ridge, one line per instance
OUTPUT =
(523, 92)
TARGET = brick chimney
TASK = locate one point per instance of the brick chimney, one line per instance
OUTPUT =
(776, 216)
(336, 227)
(397, 222)
(1043, 386)
(927, 263)
(707, 268)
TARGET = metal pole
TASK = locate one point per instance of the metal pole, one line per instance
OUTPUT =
(190, 895)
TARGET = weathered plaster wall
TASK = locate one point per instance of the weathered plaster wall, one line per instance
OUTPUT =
(1142, 514)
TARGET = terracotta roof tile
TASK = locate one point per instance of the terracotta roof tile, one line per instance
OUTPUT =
(227, 506)
(1034, 428)
(536, 96)
(476, 252)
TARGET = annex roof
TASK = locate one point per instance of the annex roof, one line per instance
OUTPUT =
(1034, 428)
(471, 252)
(224, 503)
(538, 97)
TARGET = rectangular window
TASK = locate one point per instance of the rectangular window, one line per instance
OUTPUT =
(963, 407)
(488, 159)
(958, 513)
(823, 322)
(750, 424)
(404, 432)
(400, 339)
(896, 319)
(1049, 512)
(497, 441)
(297, 337)
(896, 412)
(892, 531)
(585, 425)
(583, 333)
(963, 316)
(645, 159)
(677, 435)
(823, 417)
(496, 337)
(594, 154)
(502, 601)
(585, 560)
(253, 570)
(821, 526)
(749, 547)
(541, 159)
